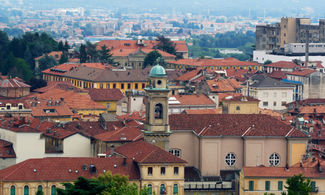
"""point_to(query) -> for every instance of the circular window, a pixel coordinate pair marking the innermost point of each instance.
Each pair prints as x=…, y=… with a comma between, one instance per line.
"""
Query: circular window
x=159, y=82
x=230, y=159
x=274, y=159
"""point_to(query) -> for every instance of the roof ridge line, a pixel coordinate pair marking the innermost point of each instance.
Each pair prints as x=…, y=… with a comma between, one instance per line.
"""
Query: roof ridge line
x=289, y=132
x=249, y=128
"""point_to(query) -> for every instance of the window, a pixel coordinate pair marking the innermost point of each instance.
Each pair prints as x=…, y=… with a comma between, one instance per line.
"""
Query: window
x=149, y=170
x=8, y=107
x=149, y=189
x=265, y=103
x=230, y=159
x=176, y=152
x=26, y=190
x=238, y=108
x=175, y=170
x=162, y=189
x=114, y=86
x=107, y=86
x=158, y=111
x=12, y=190
x=143, y=85
x=267, y=185
x=274, y=103
x=159, y=82
x=129, y=86
x=136, y=86
x=274, y=159
x=175, y=189
x=40, y=188
x=101, y=85
x=20, y=107
x=108, y=105
x=251, y=185
x=162, y=170
x=53, y=190
x=283, y=103
x=122, y=86
x=313, y=186
x=280, y=185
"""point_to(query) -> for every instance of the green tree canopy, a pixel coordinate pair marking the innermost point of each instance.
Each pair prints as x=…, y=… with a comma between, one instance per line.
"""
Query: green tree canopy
x=105, y=56
x=151, y=58
x=104, y=184
x=298, y=185
x=166, y=45
x=46, y=62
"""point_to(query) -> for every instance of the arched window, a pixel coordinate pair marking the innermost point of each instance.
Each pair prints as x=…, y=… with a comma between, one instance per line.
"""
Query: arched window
x=12, y=190
x=162, y=189
x=53, y=190
x=158, y=111
x=230, y=159
x=40, y=188
x=26, y=190
x=149, y=189
x=175, y=189
x=274, y=159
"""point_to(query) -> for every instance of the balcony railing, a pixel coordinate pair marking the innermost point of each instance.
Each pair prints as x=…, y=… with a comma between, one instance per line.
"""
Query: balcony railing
x=209, y=186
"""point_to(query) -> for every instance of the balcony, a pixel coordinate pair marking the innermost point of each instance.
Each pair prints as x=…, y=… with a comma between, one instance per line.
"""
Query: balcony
x=209, y=186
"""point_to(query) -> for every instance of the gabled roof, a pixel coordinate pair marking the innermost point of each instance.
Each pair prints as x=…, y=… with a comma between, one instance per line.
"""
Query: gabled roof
x=262, y=81
x=63, y=69
x=196, y=99
x=190, y=75
x=212, y=62
x=143, y=152
x=13, y=83
x=233, y=125
x=302, y=72
x=223, y=85
x=204, y=111
x=6, y=149
x=68, y=169
x=105, y=94
x=124, y=134
x=283, y=64
x=67, y=86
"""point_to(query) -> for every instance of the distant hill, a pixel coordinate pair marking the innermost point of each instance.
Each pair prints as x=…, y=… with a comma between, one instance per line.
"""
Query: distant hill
x=219, y=7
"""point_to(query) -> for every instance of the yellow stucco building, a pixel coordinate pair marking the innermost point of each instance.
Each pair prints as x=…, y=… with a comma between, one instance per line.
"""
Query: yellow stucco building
x=240, y=105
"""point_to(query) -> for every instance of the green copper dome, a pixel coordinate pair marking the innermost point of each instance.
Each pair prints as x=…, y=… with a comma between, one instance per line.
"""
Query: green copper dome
x=157, y=71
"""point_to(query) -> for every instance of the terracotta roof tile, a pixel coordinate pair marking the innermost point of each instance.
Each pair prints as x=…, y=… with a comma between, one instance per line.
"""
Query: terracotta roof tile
x=302, y=72
x=6, y=149
x=192, y=100
x=143, y=152
x=105, y=94
x=213, y=62
x=283, y=64
x=221, y=86
x=232, y=125
x=124, y=134
x=68, y=169
x=204, y=111
x=13, y=83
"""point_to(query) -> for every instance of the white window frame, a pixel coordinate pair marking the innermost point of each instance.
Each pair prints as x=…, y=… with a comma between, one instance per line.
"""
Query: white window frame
x=274, y=160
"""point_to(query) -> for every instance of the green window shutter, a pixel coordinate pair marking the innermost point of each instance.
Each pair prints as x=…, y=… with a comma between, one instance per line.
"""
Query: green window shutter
x=175, y=189
x=267, y=185
x=251, y=185
x=149, y=189
x=280, y=185
x=313, y=186
x=26, y=190
x=13, y=190
x=53, y=190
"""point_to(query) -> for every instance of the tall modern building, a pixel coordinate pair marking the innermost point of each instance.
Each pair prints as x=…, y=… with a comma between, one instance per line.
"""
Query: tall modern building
x=289, y=30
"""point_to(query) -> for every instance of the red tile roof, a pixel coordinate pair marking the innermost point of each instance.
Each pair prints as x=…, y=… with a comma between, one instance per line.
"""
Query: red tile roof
x=67, y=86
x=309, y=170
x=143, y=152
x=55, y=54
x=239, y=74
x=13, y=83
x=283, y=64
x=190, y=75
x=278, y=74
x=233, y=125
x=49, y=108
x=65, y=68
x=212, y=62
x=224, y=95
x=6, y=149
x=302, y=72
x=124, y=134
x=68, y=169
x=320, y=109
x=195, y=99
x=204, y=111
x=105, y=94
x=226, y=85
x=240, y=98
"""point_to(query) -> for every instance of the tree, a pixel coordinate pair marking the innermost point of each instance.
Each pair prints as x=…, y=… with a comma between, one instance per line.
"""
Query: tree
x=298, y=185
x=82, y=53
x=105, y=184
x=92, y=52
x=39, y=192
x=36, y=83
x=166, y=45
x=64, y=58
x=151, y=58
x=267, y=62
x=105, y=56
x=46, y=62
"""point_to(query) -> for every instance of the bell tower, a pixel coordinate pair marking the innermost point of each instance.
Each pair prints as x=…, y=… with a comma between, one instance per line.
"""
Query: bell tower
x=156, y=128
